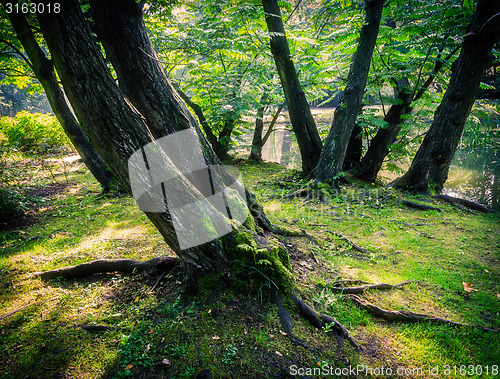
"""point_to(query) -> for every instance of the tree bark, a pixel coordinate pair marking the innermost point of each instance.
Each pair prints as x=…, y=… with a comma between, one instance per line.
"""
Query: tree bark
x=301, y=118
x=333, y=154
x=432, y=161
x=354, y=150
x=44, y=72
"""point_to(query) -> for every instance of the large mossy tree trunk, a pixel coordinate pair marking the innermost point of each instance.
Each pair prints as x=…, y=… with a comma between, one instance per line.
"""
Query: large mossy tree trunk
x=44, y=72
x=432, y=161
x=118, y=129
x=334, y=151
x=303, y=123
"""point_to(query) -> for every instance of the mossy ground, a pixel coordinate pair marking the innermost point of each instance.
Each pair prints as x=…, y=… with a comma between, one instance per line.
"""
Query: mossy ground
x=156, y=332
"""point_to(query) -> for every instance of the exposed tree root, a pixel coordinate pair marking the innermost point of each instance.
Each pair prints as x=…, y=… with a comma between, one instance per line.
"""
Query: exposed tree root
x=408, y=316
x=422, y=207
x=26, y=306
x=127, y=266
x=309, y=314
x=361, y=289
x=354, y=246
x=286, y=322
x=340, y=330
x=463, y=202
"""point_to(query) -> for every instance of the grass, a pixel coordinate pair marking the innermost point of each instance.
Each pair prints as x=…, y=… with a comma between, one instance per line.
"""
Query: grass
x=158, y=332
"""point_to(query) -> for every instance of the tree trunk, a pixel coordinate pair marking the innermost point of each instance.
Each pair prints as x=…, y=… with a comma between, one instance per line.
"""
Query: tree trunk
x=301, y=118
x=44, y=72
x=432, y=161
x=372, y=161
x=212, y=138
x=256, y=148
x=334, y=151
x=118, y=130
x=354, y=150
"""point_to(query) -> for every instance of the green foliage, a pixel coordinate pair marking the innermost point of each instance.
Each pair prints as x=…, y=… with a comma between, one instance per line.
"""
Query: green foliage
x=34, y=133
x=11, y=203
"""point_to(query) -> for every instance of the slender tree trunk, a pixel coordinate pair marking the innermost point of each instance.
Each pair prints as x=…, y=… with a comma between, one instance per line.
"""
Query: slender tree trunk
x=372, y=161
x=211, y=137
x=432, y=161
x=259, y=140
x=256, y=148
x=44, y=72
x=334, y=151
x=301, y=118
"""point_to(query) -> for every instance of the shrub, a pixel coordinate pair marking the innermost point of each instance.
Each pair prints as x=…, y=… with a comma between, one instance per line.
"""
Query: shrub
x=11, y=204
x=34, y=133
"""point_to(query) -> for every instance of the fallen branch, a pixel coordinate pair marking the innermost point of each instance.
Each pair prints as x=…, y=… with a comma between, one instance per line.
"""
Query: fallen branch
x=422, y=207
x=127, y=266
x=408, y=316
x=26, y=306
x=361, y=289
x=463, y=202
x=354, y=246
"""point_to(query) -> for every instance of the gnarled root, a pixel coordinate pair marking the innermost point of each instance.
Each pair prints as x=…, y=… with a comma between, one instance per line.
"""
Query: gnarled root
x=127, y=266
x=354, y=246
x=309, y=314
x=408, y=316
x=286, y=321
x=462, y=202
x=361, y=289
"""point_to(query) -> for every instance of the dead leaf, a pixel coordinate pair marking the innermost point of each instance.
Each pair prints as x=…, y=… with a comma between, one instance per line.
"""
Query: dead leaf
x=468, y=287
x=165, y=362
x=148, y=346
x=282, y=332
x=216, y=337
x=278, y=353
x=129, y=367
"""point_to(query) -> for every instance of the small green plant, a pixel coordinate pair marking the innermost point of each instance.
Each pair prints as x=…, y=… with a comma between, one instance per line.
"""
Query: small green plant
x=178, y=351
x=230, y=353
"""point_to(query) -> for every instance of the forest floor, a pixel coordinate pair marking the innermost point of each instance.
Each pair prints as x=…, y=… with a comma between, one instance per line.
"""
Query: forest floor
x=150, y=330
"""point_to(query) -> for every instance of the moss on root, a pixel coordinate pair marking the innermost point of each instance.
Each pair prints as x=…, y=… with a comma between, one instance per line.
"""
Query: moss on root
x=257, y=266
